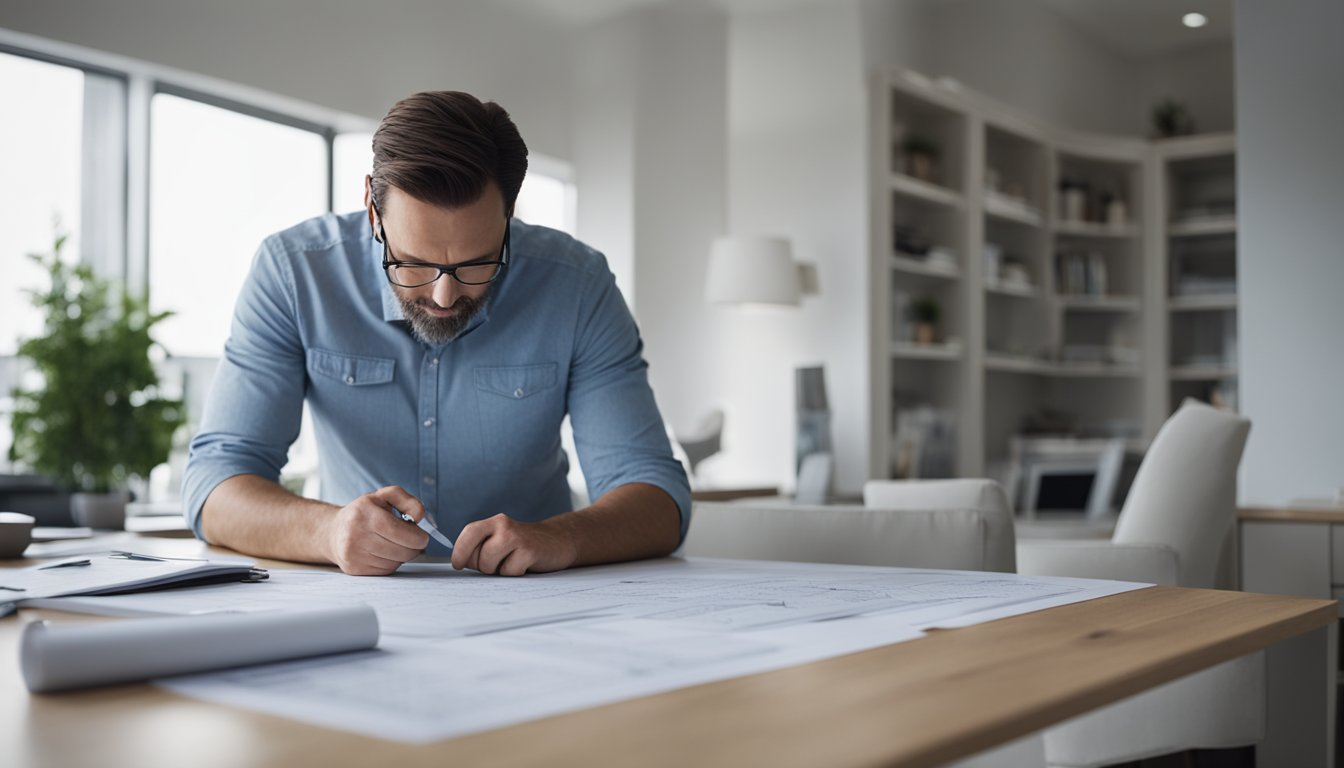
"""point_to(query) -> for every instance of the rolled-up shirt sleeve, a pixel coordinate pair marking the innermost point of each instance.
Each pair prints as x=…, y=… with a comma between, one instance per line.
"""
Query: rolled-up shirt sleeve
x=618, y=432
x=255, y=406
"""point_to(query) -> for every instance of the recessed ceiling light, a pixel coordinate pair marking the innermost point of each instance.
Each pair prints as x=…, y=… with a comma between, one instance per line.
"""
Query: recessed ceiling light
x=1194, y=20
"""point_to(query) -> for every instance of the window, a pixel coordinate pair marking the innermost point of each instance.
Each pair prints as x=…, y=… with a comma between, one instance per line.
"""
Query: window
x=352, y=159
x=547, y=199
x=40, y=156
x=220, y=182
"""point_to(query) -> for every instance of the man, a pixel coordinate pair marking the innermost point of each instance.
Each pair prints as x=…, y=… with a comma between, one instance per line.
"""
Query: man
x=438, y=343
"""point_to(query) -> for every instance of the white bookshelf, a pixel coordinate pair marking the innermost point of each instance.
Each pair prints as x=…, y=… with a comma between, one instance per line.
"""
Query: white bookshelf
x=1194, y=183
x=1021, y=331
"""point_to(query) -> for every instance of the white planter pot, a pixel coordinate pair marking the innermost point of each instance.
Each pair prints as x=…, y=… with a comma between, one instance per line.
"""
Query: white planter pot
x=100, y=510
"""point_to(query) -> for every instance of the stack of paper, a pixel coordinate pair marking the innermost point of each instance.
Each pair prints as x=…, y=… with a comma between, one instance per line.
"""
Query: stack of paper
x=119, y=572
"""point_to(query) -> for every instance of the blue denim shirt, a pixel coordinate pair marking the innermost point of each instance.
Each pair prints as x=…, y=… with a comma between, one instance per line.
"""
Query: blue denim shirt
x=471, y=427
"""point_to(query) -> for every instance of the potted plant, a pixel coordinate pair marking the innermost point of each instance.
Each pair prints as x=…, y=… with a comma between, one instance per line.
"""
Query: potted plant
x=97, y=419
x=921, y=154
x=1171, y=118
x=925, y=312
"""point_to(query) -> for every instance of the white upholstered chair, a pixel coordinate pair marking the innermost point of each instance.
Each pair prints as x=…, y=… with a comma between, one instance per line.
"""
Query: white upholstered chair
x=1173, y=530
x=955, y=524
x=952, y=524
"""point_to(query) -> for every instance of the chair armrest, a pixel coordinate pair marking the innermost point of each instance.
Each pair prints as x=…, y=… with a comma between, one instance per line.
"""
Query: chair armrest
x=1149, y=563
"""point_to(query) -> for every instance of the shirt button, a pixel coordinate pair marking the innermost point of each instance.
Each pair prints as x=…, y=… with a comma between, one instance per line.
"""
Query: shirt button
x=349, y=379
x=433, y=361
x=428, y=480
x=518, y=392
x=429, y=422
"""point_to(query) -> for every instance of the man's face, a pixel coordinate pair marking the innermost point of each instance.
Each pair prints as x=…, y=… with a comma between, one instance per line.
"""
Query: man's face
x=421, y=232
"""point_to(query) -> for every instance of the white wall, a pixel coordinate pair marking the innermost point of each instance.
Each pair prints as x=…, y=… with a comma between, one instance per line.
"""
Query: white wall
x=606, y=93
x=1290, y=251
x=1026, y=56
x=680, y=195
x=650, y=155
x=797, y=142
x=349, y=55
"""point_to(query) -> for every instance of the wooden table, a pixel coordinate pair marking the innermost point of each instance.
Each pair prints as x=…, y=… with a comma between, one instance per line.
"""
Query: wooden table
x=949, y=695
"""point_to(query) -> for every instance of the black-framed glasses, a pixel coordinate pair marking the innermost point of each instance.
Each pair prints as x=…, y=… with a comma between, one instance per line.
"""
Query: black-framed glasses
x=414, y=274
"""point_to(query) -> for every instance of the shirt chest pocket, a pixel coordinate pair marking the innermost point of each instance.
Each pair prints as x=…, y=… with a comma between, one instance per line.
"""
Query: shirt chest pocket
x=349, y=370
x=520, y=409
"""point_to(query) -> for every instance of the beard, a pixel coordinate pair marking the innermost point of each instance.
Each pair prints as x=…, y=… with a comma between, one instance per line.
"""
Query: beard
x=433, y=330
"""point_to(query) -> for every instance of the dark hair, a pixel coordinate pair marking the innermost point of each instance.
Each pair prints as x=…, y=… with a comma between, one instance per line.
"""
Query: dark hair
x=444, y=147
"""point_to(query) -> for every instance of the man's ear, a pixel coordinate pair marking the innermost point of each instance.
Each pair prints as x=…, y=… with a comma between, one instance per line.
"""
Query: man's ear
x=368, y=205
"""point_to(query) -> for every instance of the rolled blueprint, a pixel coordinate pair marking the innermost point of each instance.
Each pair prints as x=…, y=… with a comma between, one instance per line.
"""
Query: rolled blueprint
x=60, y=657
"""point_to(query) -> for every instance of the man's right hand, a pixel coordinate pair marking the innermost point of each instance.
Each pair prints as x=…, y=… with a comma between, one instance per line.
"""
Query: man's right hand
x=367, y=538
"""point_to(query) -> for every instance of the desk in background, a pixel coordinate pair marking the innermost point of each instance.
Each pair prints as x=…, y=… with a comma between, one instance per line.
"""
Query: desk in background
x=920, y=703
x=730, y=494
x=1297, y=549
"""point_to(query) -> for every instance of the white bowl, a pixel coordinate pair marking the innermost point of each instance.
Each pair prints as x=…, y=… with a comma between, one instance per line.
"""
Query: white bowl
x=16, y=533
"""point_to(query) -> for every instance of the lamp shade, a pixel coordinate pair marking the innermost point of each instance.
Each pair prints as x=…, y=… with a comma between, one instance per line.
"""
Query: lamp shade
x=752, y=270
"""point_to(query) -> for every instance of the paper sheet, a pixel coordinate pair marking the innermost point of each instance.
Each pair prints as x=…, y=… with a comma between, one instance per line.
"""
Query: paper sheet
x=646, y=628
x=424, y=691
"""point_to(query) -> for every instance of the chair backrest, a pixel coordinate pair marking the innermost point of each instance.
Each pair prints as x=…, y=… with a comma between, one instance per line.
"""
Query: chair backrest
x=967, y=527
x=985, y=497
x=1184, y=494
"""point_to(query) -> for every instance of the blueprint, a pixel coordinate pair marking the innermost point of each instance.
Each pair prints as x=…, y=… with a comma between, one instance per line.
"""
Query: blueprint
x=547, y=644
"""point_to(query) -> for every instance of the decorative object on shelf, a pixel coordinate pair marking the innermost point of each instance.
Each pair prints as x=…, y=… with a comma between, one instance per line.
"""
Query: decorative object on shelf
x=813, y=451
x=993, y=255
x=1171, y=118
x=1114, y=209
x=921, y=157
x=926, y=312
x=941, y=258
x=1082, y=273
x=908, y=241
x=924, y=444
x=1223, y=395
x=98, y=419
x=1072, y=200
x=1015, y=274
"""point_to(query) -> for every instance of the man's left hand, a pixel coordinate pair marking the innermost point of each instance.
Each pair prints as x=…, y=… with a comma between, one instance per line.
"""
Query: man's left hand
x=511, y=547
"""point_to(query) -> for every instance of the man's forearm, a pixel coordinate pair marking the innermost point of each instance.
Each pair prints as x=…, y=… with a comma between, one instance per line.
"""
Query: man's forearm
x=255, y=516
x=632, y=522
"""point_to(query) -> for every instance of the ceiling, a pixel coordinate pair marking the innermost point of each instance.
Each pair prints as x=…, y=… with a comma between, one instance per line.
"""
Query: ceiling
x=1146, y=28
x=1134, y=28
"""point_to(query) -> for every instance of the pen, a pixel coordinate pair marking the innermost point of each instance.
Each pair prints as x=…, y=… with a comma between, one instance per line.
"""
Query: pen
x=425, y=526
x=66, y=564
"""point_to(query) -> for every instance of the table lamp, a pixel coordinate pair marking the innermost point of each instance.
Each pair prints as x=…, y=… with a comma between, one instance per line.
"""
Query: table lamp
x=756, y=271
x=752, y=271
